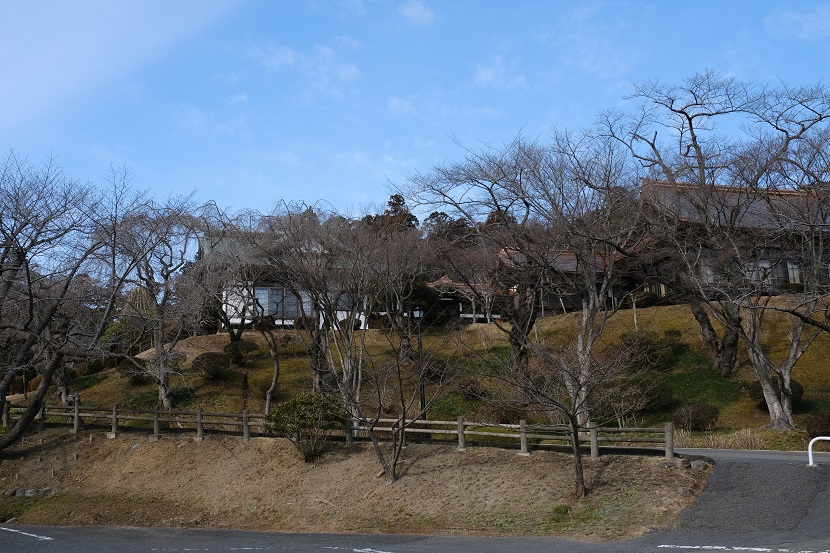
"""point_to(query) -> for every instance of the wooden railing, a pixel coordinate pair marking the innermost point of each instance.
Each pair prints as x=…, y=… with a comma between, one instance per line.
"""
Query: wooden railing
x=525, y=436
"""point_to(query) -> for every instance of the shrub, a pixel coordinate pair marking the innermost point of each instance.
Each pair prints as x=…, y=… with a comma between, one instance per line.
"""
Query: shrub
x=307, y=421
x=698, y=416
x=672, y=336
x=647, y=299
x=212, y=365
x=756, y=392
x=134, y=370
x=238, y=351
x=646, y=350
x=505, y=414
x=471, y=389
x=174, y=359
x=304, y=323
x=434, y=368
x=356, y=324
x=818, y=424
x=96, y=365
x=559, y=513
x=660, y=396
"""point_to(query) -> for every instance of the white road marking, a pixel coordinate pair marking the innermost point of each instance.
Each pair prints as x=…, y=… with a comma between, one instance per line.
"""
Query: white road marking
x=42, y=538
x=738, y=548
x=366, y=550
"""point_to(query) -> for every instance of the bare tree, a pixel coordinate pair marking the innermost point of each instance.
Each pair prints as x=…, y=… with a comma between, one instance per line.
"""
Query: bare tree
x=327, y=260
x=562, y=217
x=161, y=301
x=482, y=190
x=393, y=389
x=718, y=203
x=57, y=290
x=400, y=263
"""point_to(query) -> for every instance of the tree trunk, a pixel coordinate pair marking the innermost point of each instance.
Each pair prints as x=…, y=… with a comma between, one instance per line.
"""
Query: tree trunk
x=724, y=351
x=62, y=381
x=8, y=378
x=519, y=356
x=579, y=474
x=780, y=413
x=165, y=393
x=405, y=349
x=273, y=350
x=318, y=362
x=727, y=359
x=20, y=427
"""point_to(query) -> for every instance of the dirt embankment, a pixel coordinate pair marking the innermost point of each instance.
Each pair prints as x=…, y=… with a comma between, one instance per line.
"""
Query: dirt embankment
x=263, y=484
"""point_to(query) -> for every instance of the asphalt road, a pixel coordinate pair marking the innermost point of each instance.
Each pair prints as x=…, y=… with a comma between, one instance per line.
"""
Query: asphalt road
x=754, y=501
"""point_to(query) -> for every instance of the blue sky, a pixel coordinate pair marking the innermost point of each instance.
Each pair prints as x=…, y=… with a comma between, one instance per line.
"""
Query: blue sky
x=250, y=102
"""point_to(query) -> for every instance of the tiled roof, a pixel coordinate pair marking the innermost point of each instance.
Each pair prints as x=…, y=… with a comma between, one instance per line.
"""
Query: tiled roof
x=732, y=206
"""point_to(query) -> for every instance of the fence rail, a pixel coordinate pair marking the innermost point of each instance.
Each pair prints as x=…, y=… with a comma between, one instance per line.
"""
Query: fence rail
x=525, y=436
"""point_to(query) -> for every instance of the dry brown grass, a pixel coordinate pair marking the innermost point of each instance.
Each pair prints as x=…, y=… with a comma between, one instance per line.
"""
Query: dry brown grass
x=263, y=484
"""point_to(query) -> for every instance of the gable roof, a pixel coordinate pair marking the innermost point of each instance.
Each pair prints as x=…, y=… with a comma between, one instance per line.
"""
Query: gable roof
x=736, y=207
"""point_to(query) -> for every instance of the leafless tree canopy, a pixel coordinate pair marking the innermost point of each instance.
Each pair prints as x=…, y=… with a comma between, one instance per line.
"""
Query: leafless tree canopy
x=737, y=205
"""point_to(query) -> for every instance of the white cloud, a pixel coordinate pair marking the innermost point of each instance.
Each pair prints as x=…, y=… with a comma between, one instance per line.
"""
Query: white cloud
x=198, y=121
x=322, y=66
x=191, y=118
x=417, y=12
x=375, y=165
x=273, y=56
x=497, y=75
x=344, y=9
x=804, y=25
x=239, y=98
x=590, y=41
x=400, y=106
x=326, y=72
x=226, y=78
x=285, y=157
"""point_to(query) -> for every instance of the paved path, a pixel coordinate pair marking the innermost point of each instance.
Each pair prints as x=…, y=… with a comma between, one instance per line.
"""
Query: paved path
x=766, y=500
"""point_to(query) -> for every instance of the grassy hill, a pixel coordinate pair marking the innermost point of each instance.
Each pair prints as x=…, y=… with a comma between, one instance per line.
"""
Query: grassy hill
x=263, y=484
x=684, y=370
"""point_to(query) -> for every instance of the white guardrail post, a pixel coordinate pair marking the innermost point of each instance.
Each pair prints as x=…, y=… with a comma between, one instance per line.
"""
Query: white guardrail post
x=810, y=448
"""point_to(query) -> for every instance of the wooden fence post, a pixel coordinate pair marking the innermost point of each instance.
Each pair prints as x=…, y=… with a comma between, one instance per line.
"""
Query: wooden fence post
x=349, y=430
x=669, y=441
x=76, y=418
x=41, y=423
x=462, y=439
x=523, y=438
x=200, y=427
x=246, y=429
x=114, y=432
x=156, y=425
x=594, y=435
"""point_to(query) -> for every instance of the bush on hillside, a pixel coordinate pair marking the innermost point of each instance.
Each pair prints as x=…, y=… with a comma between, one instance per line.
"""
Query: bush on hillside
x=304, y=323
x=239, y=351
x=818, y=424
x=659, y=396
x=433, y=367
x=471, y=389
x=212, y=365
x=698, y=416
x=96, y=365
x=307, y=421
x=134, y=370
x=646, y=350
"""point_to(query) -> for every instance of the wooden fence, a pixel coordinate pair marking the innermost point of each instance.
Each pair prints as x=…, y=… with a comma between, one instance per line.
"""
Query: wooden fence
x=524, y=436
